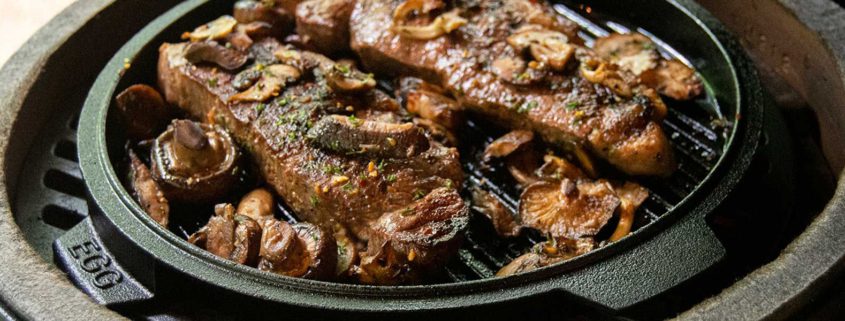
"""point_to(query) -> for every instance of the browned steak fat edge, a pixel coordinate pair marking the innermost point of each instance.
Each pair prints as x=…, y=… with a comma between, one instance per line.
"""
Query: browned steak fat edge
x=358, y=189
x=519, y=64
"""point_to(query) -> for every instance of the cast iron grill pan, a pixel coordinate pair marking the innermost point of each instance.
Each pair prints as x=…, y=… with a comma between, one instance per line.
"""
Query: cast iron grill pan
x=697, y=129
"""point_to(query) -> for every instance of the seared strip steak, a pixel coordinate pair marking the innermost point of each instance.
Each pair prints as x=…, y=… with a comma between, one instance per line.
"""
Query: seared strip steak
x=359, y=190
x=485, y=64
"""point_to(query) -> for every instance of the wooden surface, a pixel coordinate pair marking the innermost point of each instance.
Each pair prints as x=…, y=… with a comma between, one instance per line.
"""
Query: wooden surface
x=19, y=19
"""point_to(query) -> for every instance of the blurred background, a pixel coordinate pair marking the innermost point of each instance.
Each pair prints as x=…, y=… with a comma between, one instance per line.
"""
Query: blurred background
x=21, y=18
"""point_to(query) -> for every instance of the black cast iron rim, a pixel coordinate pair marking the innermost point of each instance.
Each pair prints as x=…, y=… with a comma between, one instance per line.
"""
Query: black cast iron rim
x=121, y=210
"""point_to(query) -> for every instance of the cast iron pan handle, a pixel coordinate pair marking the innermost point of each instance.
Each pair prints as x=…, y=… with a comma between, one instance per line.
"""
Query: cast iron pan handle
x=650, y=268
x=91, y=266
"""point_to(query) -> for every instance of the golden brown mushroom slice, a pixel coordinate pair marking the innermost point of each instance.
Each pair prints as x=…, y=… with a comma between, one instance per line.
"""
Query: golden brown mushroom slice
x=143, y=111
x=147, y=192
x=218, y=235
x=550, y=48
x=674, y=79
x=257, y=205
x=568, y=208
x=547, y=253
x=503, y=220
x=214, y=30
x=299, y=250
x=408, y=243
x=347, y=253
x=194, y=163
x=633, y=52
x=351, y=135
x=638, y=54
x=507, y=144
x=435, y=107
x=213, y=52
x=345, y=79
x=270, y=81
x=409, y=20
x=632, y=196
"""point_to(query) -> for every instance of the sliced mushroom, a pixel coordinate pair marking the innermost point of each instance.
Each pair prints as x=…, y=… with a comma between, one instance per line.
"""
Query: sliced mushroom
x=213, y=52
x=273, y=79
x=609, y=75
x=547, y=253
x=507, y=144
x=569, y=208
x=257, y=205
x=247, y=241
x=194, y=163
x=301, y=250
x=246, y=78
x=407, y=243
x=246, y=34
x=218, y=235
x=347, y=253
x=549, y=47
x=516, y=71
x=632, y=196
x=278, y=14
x=215, y=30
x=344, y=79
x=321, y=248
x=437, y=132
x=436, y=107
x=442, y=24
x=633, y=52
x=674, y=79
x=147, y=192
x=522, y=165
x=555, y=169
x=143, y=111
x=503, y=220
x=352, y=135
x=638, y=54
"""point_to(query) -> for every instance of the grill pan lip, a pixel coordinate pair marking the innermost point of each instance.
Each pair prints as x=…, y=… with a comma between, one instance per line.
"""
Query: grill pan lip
x=121, y=210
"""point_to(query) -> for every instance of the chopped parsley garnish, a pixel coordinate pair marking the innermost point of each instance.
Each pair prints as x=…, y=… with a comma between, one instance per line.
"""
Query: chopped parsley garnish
x=260, y=107
x=526, y=107
x=315, y=200
x=212, y=82
x=391, y=178
x=418, y=194
x=344, y=69
x=282, y=101
x=572, y=105
x=332, y=169
x=354, y=120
